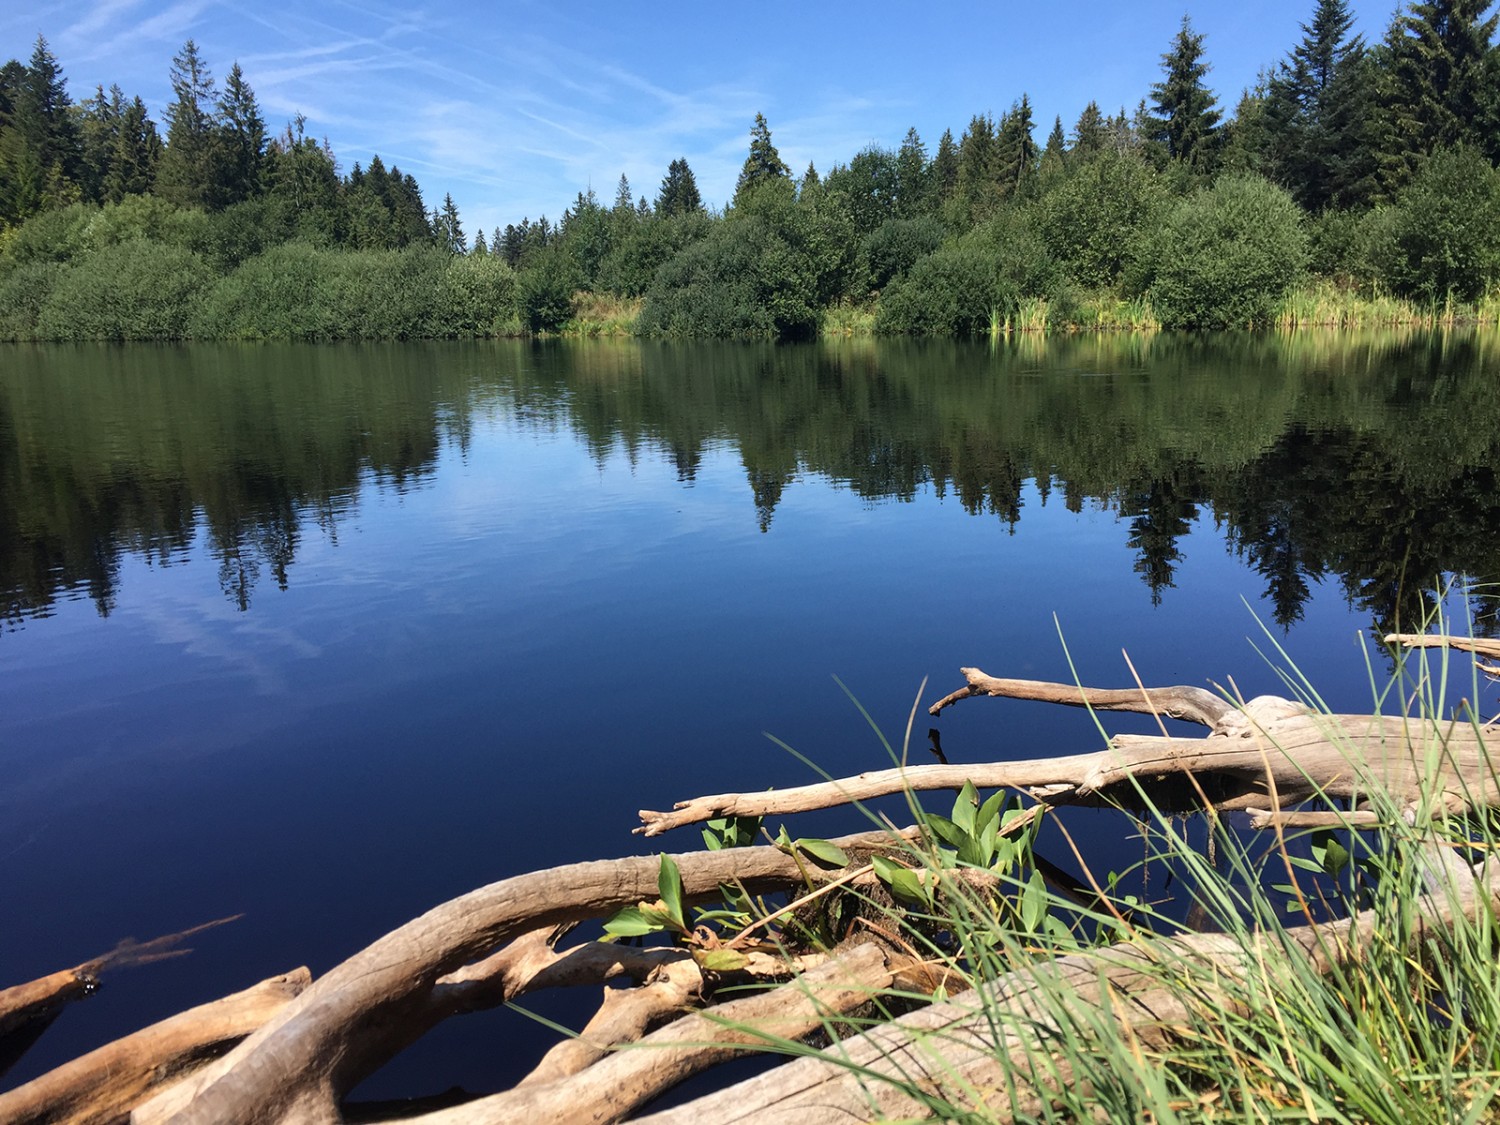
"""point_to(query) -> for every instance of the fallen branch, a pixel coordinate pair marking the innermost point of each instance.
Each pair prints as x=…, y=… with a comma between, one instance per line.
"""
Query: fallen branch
x=104, y=1085
x=1191, y=704
x=1483, y=646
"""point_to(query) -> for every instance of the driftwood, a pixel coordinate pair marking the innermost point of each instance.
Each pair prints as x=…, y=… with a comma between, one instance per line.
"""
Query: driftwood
x=301, y=1054
x=1265, y=757
x=104, y=1085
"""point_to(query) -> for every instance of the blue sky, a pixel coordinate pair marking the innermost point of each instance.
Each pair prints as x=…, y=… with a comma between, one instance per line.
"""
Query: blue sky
x=516, y=106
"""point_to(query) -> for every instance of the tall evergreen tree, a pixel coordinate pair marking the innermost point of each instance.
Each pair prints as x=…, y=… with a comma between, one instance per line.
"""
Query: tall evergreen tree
x=624, y=199
x=913, y=177
x=1186, y=122
x=449, y=230
x=944, y=177
x=1440, y=84
x=99, y=120
x=1090, y=135
x=977, y=192
x=132, y=167
x=763, y=163
x=40, y=151
x=185, y=174
x=679, y=191
x=1015, y=149
x=239, y=143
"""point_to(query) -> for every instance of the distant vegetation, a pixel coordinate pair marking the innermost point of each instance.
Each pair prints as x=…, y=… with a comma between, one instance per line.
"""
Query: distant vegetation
x=1356, y=183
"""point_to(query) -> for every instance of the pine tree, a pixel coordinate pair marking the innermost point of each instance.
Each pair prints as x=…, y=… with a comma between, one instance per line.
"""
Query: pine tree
x=1055, y=154
x=1186, y=122
x=1015, y=150
x=99, y=121
x=40, y=150
x=913, y=177
x=1090, y=135
x=481, y=249
x=624, y=199
x=239, y=143
x=132, y=167
x=1440, y=85
x=977, y=192
x=449, y=230
x=679, y=191
x=944, y=181
x=185, y=174
x=762, y=165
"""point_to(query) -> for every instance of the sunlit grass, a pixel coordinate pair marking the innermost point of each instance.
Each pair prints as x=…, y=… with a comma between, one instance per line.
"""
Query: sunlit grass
x=603, y=314
x=1327, y=305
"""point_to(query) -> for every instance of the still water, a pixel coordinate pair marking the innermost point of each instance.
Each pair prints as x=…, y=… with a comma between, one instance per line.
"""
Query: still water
x=325, y=635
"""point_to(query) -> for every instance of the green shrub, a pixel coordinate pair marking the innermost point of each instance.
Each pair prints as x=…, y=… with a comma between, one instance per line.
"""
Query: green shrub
x=1025, y=266
x=955, y=292
x=145, y=216
x=1226, y=255
x=389, y=294
x=1442, y=238
x=24, y=289
x=284, y=294
x=53, y=236
x=544, y=291
x=479, y=294
x=134, y=291
x=1096, y=221
x=744, y=281
x=895, y=246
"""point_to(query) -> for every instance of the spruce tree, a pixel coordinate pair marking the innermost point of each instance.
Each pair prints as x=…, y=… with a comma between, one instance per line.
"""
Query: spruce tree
x=679, y=191
x=913, y=176
x=239, y=143
x=450, y=231
x=185, y=174
x=1186, y=122
x=1015, y=150
x=1091, y=134
x=944, y=177
x=977, y=192
x=132, y=167
x=762, y=165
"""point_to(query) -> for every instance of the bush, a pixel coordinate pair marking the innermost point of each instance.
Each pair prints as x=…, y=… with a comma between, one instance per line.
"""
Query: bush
x=24, y=289
x=1024, y=264
x=53, y=236
x=1096, y=222
x=1442, y=238
x=744, y=281
x=390, y=294
x=1227, y=255
x=284, y=294
x=954, y=292
x=544, y=291
x=134, y=291
x=479, y=295
x=895, y=246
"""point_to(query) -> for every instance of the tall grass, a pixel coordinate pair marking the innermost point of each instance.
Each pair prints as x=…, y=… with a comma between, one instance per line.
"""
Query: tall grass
x=1345, y=974
x=603, y=314
x=1327, y=305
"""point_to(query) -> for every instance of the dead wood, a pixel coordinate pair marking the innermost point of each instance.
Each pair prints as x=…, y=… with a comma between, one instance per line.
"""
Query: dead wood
x=27, y=1010
x=105, y=1084
x=359, y=1014
x=1191, y=704
x=1267, y=756
x=628, y=1078
x=1482, y=646
x=981, y=1051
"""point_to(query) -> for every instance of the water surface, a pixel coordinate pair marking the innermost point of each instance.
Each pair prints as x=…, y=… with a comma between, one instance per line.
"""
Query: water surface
x=326, y=635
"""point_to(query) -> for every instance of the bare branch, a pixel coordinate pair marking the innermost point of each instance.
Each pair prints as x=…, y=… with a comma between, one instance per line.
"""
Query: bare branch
x=1192, y=704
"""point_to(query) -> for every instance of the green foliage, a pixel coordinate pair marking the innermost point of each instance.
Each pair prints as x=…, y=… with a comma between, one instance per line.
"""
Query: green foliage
x=1225, y=255
x=953, y=292
x=730, y=832
x=1098, y=220
x=1187, y=122
x=1442, y=239
x=24, y=291
x=130, y=291
x=895, y=246
x=480, y=295
x=53, y=236
x=287, y=293
x=544, y=291
x=762, y=165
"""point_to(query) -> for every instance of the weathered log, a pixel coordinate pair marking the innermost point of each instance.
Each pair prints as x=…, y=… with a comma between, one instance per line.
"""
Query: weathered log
x=625, y=1080
x=1267, y=756
x=1191, y=704
x=359, y=1014
x=106, y=1084
x=979, y=1051
x=27, y=1010
x=1482, y=646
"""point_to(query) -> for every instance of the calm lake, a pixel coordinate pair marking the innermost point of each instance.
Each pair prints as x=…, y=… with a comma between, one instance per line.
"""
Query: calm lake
x=326, y=635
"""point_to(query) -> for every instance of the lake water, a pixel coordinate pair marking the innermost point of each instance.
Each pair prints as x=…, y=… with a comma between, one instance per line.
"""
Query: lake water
x=327, y=635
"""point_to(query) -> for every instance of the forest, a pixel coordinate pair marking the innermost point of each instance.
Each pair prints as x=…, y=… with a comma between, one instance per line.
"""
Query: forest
x=1356, y=183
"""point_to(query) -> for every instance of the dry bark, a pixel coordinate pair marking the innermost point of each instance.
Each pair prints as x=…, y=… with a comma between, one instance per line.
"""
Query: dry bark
x=350, y=1021
x=1267, y=756
x=106, y=1084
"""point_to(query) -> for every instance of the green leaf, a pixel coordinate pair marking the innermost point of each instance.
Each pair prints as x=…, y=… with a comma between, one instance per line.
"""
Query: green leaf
x=631, y=922
x=966, y=807
x=720, y=960
x=669, y=884
x=902, y=881
x=1034, y=902
x=989, y=812
x=950, y=833
x=830, y=855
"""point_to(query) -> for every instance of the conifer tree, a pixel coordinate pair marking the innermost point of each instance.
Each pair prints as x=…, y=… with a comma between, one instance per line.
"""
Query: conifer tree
x=1186, y=122
x=449, y=230
x=976, y=193
x=679, y=191
x=1015, y=149
x=944, y=179
x=913, y=176
x=1090, y=135
x=132, y=166
x=762, y=165
x=239, y=143
x=185, y=173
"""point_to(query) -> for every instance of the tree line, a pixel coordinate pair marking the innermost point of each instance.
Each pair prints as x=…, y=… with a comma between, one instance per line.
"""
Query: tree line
x=1351, y=170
